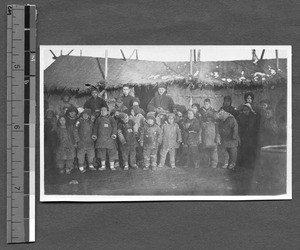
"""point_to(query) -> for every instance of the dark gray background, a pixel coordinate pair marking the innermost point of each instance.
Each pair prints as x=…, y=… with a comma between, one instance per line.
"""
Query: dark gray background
x=163, y=225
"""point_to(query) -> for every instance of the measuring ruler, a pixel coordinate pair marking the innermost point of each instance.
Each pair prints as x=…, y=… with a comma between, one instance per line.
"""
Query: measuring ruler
x=21, y=86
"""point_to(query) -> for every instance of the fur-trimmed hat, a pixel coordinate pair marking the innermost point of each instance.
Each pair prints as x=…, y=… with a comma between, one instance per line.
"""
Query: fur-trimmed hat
x=136, y=99
x=181, y=108
x=161, y=85
x=72, y=109
x=87, y=111
x=151, y=115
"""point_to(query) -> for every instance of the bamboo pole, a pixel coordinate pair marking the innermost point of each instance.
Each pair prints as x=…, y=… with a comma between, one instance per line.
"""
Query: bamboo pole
x=106, y=66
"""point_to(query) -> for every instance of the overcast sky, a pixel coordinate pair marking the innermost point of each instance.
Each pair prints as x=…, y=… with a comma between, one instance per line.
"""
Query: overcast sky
x=164, y=53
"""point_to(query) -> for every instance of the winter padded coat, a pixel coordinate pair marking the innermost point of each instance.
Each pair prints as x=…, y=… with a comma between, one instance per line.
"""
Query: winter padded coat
x=127, y=133
x=163, y=101
x=228, y=130
x=190, y=131
x=210, y=134
x=151, y=136
x=65, y=143
x=104, y=128
x=171, y=136
x=84, y=132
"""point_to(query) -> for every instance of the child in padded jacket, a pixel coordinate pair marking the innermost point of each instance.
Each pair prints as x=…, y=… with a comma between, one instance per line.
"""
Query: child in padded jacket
x=127, y=134
x=171, y=139
x=210, y=139
x=150, y=139
x=84, y=130
x=66, y=143
x=190, y=138
x=105, y=133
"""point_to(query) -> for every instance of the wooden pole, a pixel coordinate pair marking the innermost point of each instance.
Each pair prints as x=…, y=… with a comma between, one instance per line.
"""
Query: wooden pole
x=191, y=62
x=123, y=55
x=81, y=52
x=199, y=64
x=70, y=52
x=106, y=66
x=195, y=59
x=262, y=54
x=137, y=57
x=54, y=56
x=277, y=60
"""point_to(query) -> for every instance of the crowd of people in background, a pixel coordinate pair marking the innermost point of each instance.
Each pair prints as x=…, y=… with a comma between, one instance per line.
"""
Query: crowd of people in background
x=94, y=137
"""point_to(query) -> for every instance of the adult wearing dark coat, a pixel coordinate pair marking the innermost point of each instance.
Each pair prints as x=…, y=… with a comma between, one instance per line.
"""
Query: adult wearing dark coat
x=227, y=106
x=126, y=97
x=161, y=101
x=95, y=102
x=247, y=133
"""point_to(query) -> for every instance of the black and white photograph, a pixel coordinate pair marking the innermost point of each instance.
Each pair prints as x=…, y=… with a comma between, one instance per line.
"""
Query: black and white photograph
x=147, y=123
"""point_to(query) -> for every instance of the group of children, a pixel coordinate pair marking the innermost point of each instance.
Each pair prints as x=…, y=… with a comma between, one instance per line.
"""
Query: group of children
x=104, y=138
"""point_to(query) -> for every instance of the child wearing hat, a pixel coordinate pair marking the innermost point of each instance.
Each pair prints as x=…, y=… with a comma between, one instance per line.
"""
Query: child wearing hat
x=150, y=139
x=119, y=107
x=207, y=108
x=127, y=134
x=66, y=143
x=190, y=127
x=210, y=139
x=171, y=139
x=49, y=126
x=105, y=133
x=84, y=130
x=137, y=116
x=64, y=103
x=72, y=116
x=228, y=129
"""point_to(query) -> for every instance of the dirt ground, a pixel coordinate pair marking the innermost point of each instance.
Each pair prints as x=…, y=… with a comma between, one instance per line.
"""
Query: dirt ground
x=165, y=181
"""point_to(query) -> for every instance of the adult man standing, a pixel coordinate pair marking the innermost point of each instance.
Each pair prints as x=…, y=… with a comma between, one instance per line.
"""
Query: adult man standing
x=95, y=102
x=126, y=97
x=161, y=101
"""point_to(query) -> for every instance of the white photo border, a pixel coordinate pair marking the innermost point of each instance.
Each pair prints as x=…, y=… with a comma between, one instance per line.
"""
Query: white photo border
x=135, y=198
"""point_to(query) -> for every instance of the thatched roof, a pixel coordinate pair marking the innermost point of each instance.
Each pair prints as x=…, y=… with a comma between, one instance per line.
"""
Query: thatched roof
x=73, y=72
